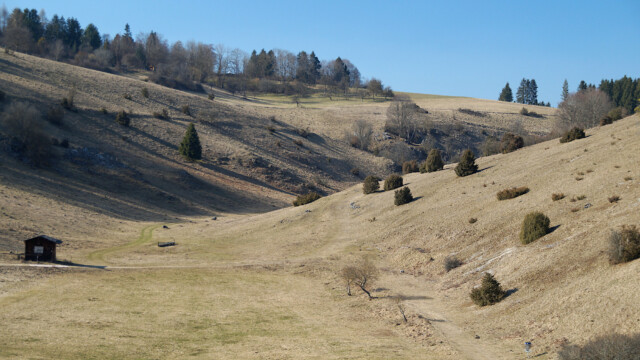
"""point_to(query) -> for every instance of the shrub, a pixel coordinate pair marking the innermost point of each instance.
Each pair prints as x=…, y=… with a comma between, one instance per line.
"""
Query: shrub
x=511, y=142
x=392, y=181
x=371, y=184
x=467, y=164
x=307, y=198
x=403, y=196
x=433, y=163
x=534, y=226
x=451, y=262
x=473, y=220
x=618, y=113
x=624, y=245
x=104, y=111
x=524, y=111
x=186, y=110
x=606, y=120
x=145, y=92
x=298, y=142
x=64, y=143
x=55, y=115
x=611, y=346
x=355, y=172
x=573, y=134
x=212, y=96
x=68, y=102
x=512, y=193
x=126, y=96
x=489, y=293
x=190, y=147
x=302, y=132
x=409, y=167
x=163, y=115
x=614, y=199
x=122, y=118
x=556, y=197
x=270, y=128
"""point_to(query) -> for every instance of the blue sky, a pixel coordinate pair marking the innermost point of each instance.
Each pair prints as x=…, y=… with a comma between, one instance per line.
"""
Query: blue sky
x=465, y=48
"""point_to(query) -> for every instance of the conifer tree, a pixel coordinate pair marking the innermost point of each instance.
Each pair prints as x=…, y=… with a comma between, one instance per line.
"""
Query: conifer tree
x=506, y=94
x=190, y=146
x=532, y=92
x=433, y=163
x=582, y=86
x=467, y=164
x=565, y=90
x=522, y=90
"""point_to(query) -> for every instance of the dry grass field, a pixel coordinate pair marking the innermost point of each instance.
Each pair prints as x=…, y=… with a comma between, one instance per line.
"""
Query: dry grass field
x=258, y=284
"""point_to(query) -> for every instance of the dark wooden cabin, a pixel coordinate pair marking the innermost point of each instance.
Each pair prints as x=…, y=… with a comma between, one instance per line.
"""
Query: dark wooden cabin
x=41, y=248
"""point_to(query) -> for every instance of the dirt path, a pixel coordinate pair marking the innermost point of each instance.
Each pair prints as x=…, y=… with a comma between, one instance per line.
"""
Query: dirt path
x=469, y=347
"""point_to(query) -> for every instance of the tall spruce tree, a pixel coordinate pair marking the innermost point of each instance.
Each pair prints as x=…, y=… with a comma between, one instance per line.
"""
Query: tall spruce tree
x=565, y=90
x=506, y=94
x=190, y=146
x=582, y=86
x=522, y=92
x=532, y=92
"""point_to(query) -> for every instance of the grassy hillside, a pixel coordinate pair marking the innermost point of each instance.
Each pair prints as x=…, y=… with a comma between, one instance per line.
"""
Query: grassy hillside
x=268, y=285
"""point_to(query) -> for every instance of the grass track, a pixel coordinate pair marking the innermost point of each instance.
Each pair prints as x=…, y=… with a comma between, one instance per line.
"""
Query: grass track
x=145, y=236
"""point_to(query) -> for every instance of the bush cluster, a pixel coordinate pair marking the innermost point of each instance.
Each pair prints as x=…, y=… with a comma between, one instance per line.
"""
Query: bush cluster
x=307, y=198
x=624, y=245
x=433, y=163
x=122, y=118
x=573, y=134
x=467, y=164
x=145, y=92
x=489, y=293
x=371, y=184
x=512, y=193
x=163, y=115
x=403, y=196
x=392, y=181
x=511, y=142
x=534, y=226
x=410, y=167
x=186, y=110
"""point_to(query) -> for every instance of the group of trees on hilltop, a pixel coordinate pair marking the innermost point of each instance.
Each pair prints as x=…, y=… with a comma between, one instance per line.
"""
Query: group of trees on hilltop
x=527, y=93
x=623, y=93
x=180, y=65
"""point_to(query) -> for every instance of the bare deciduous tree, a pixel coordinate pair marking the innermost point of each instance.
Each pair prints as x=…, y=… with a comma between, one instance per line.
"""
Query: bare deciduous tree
x=362, y=132
x=584, y=109
x=23, y=123
x=360, y=275
x=402, y=120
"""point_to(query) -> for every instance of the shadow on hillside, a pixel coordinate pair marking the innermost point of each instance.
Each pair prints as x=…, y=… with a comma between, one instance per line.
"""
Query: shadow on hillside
x=553, y=228
x=73, y=264
x=510, y=292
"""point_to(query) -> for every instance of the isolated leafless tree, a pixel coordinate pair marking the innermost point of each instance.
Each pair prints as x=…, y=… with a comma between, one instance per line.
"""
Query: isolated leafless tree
x=24, y=125
x=360, y=275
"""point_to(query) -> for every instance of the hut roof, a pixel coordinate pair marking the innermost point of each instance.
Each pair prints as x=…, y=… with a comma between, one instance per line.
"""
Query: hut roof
x=48, y=238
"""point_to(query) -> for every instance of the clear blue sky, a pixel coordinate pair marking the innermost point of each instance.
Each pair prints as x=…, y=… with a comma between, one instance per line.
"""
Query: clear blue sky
x=465, y=48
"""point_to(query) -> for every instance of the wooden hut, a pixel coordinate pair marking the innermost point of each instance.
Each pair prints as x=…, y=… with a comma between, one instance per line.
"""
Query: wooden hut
x=41, y=248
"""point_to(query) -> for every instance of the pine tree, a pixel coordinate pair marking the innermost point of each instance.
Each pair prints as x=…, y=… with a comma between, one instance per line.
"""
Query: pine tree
x=190, y=146
x=533, y=92
x=582, y=86
x=433, y=163
x=506, y=94
x=520, y=95
x=565, y=90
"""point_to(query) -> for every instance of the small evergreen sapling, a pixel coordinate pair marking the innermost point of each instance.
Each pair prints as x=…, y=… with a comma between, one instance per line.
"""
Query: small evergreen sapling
x=190, y=147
